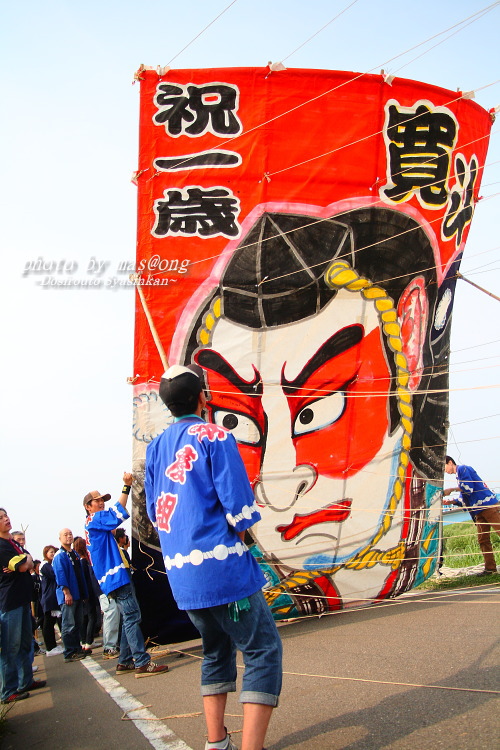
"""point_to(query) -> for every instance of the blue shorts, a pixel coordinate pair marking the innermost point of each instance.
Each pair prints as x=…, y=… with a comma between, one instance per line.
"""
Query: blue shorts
x=256, y=636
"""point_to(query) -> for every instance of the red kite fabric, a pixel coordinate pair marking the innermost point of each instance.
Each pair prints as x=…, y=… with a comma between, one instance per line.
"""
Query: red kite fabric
x=299, y=236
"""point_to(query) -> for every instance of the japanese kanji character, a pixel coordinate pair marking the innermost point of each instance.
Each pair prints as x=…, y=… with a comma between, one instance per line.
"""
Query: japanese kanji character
x=183, y=463
x=420, y=141
x=210, y=431
x=166, y=503
x=197, y=211
x=461, y=202
x=194, y=110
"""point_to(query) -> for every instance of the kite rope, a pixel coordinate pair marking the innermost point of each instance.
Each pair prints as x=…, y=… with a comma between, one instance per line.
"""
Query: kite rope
x=372, y=135
x=355, y=78
x=350, y=679
x=201, y=32
x=364, y=394
x=371, y=602
x=320, y=30
x=443, y=369
x=407, y=600
x=211, y=321
x=453, y=33
x=374, y=204
x=389, y=682
x=428, y=558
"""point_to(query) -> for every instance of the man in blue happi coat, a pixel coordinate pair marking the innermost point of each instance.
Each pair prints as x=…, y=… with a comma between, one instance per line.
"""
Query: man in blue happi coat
x=201, y=502
x=482, y=505
x=71, y=593
x=114, y=578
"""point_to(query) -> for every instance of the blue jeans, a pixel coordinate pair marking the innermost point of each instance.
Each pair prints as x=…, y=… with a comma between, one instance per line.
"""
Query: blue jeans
x=16, y=658
x=72, y=618
x=132, y=641
x=256, y=636
x=110, y=622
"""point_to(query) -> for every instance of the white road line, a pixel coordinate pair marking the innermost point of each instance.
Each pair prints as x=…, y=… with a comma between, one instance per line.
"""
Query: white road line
x=157, y=733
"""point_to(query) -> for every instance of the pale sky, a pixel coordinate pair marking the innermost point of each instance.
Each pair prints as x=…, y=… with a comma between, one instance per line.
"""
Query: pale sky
x=69, y=133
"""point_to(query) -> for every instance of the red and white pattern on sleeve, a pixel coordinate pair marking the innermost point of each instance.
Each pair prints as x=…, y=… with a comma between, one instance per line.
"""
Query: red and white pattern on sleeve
x=185, y=458
x=211, y=431
x=165, y=507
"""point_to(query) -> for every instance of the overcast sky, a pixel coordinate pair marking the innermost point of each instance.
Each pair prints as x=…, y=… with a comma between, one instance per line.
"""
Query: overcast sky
x=69, y=133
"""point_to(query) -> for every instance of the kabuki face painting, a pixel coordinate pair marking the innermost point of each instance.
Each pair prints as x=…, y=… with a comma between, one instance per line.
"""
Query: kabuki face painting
x=299, y=238
x=312, y=366
x=320, y=385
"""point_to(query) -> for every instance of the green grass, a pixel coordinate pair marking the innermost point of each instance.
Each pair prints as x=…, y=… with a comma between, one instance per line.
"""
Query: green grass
x=461, y=550
x=459, y=582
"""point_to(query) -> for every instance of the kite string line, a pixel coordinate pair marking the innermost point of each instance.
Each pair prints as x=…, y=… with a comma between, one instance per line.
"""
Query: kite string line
x=477, y=419
x=372, y=135
x=439, y=372
x=453, y=33
x=356, y=250
x=372, y=602
x=388, y=682
x=364, y=394
x=356, y=598
x=362, y=679
x=351, y=80
x=319, y=30
x=378, y=203
x=201, y=32
x=158, y=341
x=374, y=394
x=136, y=277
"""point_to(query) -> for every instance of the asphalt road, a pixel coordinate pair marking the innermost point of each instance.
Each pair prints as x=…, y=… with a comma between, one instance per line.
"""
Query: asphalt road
x=357, y=680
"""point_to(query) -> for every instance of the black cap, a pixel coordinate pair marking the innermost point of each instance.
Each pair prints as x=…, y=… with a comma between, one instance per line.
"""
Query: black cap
x=180, y=387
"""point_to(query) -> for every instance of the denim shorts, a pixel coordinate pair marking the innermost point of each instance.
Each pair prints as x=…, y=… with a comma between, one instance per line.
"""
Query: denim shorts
x=256, y=636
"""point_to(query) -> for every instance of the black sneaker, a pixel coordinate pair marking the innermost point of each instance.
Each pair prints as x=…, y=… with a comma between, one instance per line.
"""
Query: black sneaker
x=485, y=573
x=16, y=697
x=35, y=685
x=75, y=657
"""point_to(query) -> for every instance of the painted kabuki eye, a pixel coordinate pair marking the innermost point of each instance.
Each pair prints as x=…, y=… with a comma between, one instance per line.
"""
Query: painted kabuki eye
x=320, y=413
x=243, y=427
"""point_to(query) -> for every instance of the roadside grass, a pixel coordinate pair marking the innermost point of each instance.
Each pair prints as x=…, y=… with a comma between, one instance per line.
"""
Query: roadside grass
x=461, y=550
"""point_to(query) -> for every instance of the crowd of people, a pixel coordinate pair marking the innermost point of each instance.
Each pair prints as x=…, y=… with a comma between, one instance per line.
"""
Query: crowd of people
x=61, y=598
x=88, y=582
x=200, y=501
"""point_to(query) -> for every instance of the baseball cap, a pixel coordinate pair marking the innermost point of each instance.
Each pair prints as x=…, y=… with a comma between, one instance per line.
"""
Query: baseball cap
x=94, y=495
x=180, y=386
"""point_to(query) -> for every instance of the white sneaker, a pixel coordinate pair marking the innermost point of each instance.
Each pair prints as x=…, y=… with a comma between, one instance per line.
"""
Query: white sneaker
x=55, y=651
x=225, y=744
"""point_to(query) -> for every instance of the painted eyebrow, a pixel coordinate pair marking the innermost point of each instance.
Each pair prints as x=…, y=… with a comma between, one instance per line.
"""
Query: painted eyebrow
x=211, y=360
x=337, y=344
